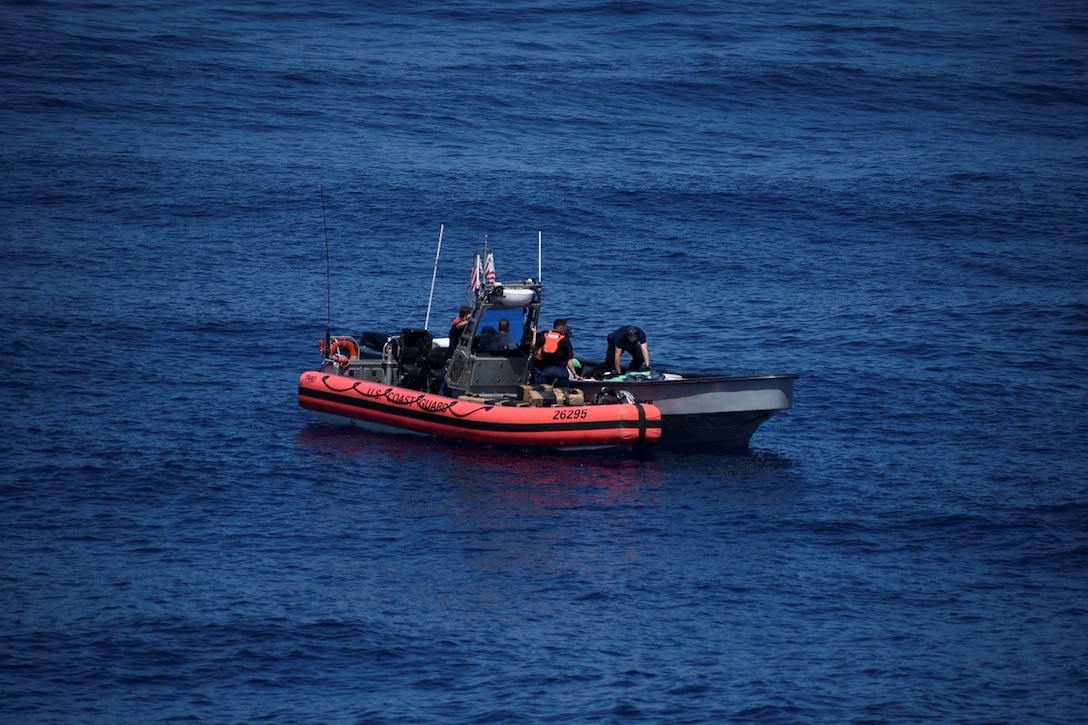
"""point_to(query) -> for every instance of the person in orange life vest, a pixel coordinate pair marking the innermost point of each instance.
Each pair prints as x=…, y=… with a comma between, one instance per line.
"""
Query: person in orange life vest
x=631, y=340
x=554, y=356
x=464, y=315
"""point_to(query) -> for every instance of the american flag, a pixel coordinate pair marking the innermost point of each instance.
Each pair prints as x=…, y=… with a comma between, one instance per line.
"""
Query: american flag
x=489, y=267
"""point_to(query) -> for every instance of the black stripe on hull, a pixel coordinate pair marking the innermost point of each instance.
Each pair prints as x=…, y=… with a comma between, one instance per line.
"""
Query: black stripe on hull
x=642, y=425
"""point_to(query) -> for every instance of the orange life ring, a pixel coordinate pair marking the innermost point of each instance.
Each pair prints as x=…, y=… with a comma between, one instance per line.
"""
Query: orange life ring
x=345, y=346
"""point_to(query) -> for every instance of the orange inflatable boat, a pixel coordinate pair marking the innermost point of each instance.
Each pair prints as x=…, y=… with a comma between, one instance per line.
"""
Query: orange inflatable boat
x=388, y=408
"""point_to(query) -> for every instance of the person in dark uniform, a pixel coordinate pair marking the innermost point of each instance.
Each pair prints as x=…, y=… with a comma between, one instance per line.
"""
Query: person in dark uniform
x=554, y=356
x=631, y=340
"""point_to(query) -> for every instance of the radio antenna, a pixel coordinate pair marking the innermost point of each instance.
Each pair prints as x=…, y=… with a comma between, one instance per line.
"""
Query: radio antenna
x=328, y=274
x=438, y=252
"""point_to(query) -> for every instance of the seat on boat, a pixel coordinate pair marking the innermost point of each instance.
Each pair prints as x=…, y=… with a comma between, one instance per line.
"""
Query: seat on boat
x=375, y=340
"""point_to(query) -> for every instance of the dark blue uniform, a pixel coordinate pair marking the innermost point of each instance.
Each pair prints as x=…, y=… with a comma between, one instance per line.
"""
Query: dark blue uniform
x=628, y=339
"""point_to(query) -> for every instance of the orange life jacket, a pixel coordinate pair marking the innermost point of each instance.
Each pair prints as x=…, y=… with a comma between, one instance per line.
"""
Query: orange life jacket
x=550, y=347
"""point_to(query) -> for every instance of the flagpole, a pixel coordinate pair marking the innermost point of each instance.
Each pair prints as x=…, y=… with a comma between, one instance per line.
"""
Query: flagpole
x=434, y=274
x=475, y=282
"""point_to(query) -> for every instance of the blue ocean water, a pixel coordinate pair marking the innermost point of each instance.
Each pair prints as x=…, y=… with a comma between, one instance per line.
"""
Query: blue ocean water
x=889, y=198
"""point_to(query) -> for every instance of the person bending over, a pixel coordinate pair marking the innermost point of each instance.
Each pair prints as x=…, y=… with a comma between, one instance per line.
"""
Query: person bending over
x=631, y=340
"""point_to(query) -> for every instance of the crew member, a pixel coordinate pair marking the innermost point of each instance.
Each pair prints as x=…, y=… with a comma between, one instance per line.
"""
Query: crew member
x=555, y=356
x=458, y=326
x=502, y=341
x=631, y=340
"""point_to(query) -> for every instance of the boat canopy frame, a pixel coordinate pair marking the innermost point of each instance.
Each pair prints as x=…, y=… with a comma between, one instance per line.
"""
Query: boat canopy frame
x=473, y=370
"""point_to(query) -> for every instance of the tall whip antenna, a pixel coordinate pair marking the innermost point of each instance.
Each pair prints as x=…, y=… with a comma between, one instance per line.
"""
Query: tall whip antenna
x=539, y=243
x=427, y=323
x=328, y=274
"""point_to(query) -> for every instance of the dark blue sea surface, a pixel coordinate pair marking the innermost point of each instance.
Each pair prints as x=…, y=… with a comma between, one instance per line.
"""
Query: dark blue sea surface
x=888, y=198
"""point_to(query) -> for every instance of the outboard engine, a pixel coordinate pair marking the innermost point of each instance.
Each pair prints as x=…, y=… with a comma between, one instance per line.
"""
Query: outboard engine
x=414, y=353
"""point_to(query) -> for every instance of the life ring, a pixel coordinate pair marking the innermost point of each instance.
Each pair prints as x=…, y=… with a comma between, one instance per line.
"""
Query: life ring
x=346, y=346
x=340, y=346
